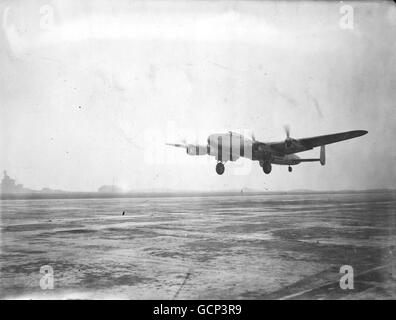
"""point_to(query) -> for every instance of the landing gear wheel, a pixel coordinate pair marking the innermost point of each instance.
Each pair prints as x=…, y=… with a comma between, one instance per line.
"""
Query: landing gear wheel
x=290, y=169
x=267, y=168
x=220, y=168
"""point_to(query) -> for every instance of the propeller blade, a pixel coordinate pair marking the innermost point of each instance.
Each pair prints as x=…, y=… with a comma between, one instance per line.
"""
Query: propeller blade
x=287, y=130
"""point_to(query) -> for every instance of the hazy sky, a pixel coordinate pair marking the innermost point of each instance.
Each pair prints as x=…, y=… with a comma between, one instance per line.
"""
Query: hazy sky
x=91, y=90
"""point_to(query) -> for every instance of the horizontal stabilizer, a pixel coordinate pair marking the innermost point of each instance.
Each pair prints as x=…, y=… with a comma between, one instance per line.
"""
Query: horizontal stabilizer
x=308, y=160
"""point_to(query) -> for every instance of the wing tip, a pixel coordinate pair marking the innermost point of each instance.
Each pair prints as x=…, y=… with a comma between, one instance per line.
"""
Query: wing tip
x=361, y=132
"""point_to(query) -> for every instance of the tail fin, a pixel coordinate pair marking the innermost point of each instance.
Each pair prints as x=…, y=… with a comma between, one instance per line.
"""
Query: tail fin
x=322, y=155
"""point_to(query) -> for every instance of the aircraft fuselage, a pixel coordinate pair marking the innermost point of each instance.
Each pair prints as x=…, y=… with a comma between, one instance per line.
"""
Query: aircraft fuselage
x=231, y=146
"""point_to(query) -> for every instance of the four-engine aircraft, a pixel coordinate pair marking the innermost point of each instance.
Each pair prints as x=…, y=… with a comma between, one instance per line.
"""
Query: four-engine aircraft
x=230, y=146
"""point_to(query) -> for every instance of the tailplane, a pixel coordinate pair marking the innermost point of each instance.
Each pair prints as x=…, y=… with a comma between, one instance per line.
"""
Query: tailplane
x=322, y=158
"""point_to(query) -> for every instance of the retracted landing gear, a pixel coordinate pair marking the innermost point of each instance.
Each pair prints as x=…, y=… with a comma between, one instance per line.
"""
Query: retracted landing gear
x=220, y=168
x=290, y=169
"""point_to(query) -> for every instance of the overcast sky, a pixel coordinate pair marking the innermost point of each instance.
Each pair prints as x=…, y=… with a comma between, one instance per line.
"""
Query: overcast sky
x=91, y=90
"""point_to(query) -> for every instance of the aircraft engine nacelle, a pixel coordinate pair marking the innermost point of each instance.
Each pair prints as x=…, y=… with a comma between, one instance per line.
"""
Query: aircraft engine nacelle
x=289, y=143
x=196, y=150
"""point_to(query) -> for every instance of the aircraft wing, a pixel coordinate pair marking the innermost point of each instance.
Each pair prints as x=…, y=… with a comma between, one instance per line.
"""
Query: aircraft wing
x=299, y=145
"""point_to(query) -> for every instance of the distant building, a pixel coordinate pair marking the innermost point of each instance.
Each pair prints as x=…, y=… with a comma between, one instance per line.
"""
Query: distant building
x=49, y=190
x=110, y=189
x=8, y=185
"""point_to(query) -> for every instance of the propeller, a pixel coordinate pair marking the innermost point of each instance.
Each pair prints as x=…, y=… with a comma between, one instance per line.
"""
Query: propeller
x=182, y=144
x=179, y=145
x=288, y=140
x=192, y=149
x=287, y=130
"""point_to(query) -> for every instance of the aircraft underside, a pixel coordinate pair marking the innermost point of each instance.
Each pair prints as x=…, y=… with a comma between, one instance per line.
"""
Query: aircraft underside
x=265, y=164
x=265, y=159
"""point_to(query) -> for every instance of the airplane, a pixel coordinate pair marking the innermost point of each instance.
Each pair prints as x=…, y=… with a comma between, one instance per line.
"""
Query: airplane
x=230, y=146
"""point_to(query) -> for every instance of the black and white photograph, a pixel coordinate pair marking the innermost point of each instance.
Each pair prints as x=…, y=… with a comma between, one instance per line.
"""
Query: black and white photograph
x=197, y=150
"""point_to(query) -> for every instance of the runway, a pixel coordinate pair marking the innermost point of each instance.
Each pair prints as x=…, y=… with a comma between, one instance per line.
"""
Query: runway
x=216, y=247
